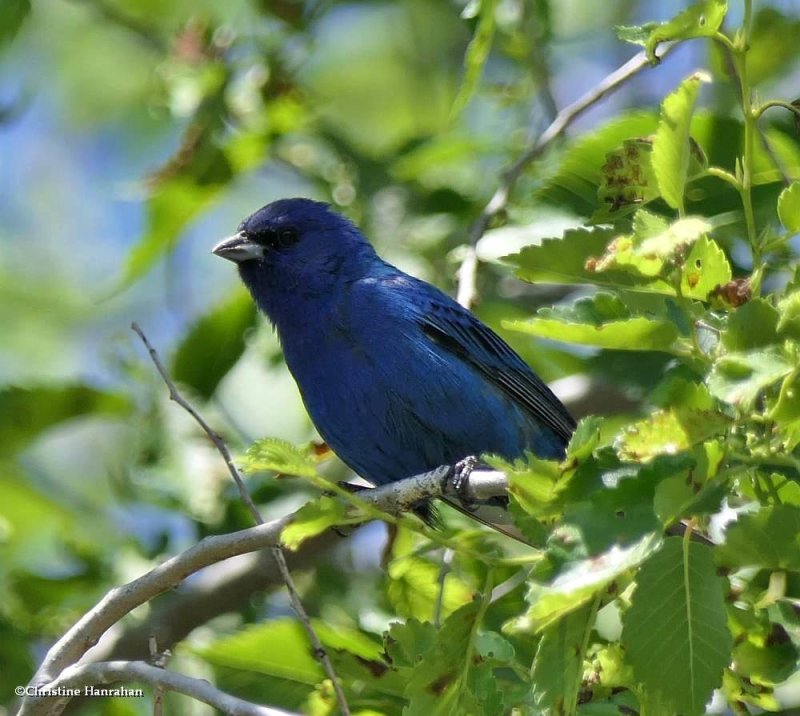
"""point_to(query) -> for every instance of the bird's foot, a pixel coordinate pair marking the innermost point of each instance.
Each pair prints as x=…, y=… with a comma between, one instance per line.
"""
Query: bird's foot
x=458, y=476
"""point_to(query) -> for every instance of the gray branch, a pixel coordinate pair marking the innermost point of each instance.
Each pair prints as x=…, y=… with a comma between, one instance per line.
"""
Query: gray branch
x=120, y=601
x=79, y=680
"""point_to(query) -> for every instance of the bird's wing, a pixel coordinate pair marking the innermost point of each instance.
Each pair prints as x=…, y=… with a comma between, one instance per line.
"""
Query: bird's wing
x=458, y=331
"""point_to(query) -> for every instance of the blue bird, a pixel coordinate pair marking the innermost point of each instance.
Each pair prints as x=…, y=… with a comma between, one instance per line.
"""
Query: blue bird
x=397, y=377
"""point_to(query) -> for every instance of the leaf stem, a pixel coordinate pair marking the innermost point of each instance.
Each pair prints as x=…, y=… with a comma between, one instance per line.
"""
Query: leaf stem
x=758, y=111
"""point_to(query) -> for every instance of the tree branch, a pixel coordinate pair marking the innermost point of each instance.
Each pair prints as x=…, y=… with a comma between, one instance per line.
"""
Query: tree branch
x=277, y=552
x=79, y=678
x=120, y=601
x=468, y=269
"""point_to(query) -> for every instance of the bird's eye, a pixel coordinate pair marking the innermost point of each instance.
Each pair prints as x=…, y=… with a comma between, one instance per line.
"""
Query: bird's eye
x=287, y=237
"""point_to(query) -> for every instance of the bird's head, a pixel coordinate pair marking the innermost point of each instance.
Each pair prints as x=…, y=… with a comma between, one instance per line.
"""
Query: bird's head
x=294, y=248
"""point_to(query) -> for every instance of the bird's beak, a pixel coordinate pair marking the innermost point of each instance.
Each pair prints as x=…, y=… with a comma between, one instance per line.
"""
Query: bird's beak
x=238, y=248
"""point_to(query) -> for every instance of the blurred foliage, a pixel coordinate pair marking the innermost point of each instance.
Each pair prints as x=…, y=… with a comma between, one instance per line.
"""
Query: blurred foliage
x=656, y=247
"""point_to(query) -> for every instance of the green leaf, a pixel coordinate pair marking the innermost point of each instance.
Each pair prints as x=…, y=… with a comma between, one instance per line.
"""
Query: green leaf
x=279, y=456
x=601, y=320
x=585, y=438
x=789, y=207
x=705, y=269
x=675, y=633
x=579, y=583
x=628, y=180
x=279, y=648
x=27, y=412
x=413, y=588
x=769, y=538
x=214, y=344
x=671, y=146
x=477, y=54
x=702, y=19
x=653, y=247
x=738, y=378
x=408, y=642
x=558, y=666
x=666, y=432
x=562, y=260
x=767, y=663
x=753, y=325
x=575, y=183
x=312, y=519
x=436, y=686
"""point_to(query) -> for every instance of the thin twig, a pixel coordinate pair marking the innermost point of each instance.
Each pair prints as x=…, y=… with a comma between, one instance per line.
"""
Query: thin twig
x=467, y=271
x=81, y=677
x=213, y=435
x=319, y=650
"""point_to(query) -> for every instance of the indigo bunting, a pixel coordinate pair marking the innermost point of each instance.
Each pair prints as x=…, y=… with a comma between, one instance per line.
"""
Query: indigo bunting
x=397, y=377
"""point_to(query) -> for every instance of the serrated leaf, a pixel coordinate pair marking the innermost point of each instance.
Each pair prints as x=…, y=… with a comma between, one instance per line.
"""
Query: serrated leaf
x=738, y=378
x=585, y=438
x=408, y=642
x=436, y=686
x=769, y=538
x=279, y=456
x=27, y=412
x=561, y=260
x=705, y=269
x=312, y=519
x=671, y=146
x=652, y=248
x=789, y=207
x=667, y=432
x=601, y=320
x=702, y=19
x=579, y=583
x=557, y=673
x=214, y=344
x=675, y=633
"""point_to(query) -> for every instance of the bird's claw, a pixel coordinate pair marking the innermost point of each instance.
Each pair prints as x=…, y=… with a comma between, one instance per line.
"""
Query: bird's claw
x=458, y=476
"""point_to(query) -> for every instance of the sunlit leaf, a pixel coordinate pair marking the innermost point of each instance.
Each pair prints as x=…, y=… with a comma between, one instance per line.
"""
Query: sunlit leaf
x=279, y=456
x=705, y=269
x=702, y=19
x=312, y=519
x=477, y=54
x=601, y=320
x=671, y=146
x=579, y=583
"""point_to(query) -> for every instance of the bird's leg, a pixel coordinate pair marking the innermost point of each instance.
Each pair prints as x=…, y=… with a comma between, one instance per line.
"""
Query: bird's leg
x=458, y=476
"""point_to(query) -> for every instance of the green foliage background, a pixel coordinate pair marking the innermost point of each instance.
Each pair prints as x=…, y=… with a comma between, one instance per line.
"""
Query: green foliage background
x=656, y=249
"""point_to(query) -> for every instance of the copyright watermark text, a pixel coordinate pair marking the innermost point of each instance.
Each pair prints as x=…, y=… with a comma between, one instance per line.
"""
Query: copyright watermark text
x=37, y=692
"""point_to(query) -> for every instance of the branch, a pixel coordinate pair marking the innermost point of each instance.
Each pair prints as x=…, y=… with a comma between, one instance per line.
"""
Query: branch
x=81, y=677
x=118, y=602
x=467, y=271
x=277, y=552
